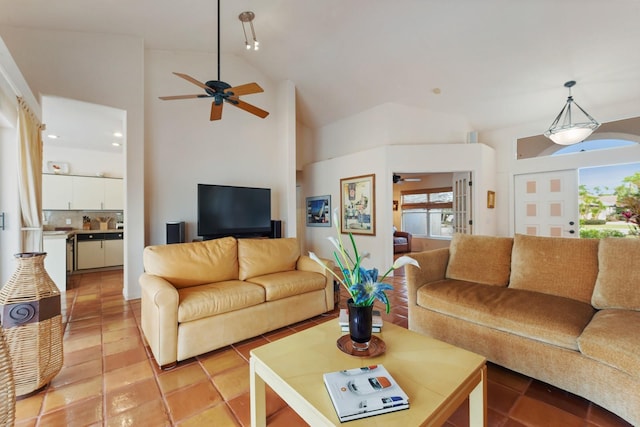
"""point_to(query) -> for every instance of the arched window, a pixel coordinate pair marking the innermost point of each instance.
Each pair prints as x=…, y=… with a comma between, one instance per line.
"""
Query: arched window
x=596, y=144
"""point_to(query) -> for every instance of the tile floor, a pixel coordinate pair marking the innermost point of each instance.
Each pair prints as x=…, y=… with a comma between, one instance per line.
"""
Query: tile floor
x=110, y=379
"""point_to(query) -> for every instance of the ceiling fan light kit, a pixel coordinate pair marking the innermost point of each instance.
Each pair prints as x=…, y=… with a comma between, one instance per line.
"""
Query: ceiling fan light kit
x=222, y=92
x=563, y=130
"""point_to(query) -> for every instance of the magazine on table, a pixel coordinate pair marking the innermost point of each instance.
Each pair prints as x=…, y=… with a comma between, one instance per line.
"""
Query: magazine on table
x=364, y=392
x=344, y=320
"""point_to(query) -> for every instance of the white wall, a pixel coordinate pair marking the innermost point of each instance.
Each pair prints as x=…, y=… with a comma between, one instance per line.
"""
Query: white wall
x=323, y=178
x=387, y=124
x=183, y=148
x=84, y=162
x=287, y=136
x=12, y=84
x=101, y=69
x=9, y=202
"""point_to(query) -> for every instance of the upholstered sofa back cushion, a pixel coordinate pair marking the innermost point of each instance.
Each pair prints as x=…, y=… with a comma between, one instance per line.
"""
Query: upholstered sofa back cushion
x=191, y=264
x=618, y=282
x=480, y=259
x=555, y=265
x=258, y=257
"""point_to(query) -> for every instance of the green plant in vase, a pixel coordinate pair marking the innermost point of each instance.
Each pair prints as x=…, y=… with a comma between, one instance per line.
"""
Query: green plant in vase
x=364, y=286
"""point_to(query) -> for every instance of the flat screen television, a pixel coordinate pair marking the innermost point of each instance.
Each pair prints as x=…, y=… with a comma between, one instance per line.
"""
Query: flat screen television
x=225, y=210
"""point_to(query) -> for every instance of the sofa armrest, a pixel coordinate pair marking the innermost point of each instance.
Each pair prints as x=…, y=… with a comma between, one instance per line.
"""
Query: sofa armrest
x=159, y=305
x=433, y=267
x=305, y=263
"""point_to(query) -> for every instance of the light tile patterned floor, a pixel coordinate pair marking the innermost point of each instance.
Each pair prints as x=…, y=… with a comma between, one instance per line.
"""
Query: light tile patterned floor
x=110, y=379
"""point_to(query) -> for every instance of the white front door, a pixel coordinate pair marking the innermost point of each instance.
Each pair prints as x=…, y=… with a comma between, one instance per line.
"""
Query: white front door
x=546, y=204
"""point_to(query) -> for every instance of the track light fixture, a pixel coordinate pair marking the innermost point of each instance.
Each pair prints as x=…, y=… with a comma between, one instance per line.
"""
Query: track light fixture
x=563, y=130
x=245, y=17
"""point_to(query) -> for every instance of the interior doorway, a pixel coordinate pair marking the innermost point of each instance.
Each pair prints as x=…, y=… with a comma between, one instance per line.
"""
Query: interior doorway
x=86, y=141
x=427, y=205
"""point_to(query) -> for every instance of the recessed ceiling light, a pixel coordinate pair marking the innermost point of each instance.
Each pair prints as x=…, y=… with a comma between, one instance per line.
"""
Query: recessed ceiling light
x=51, y=136
x=437, y=91
x=117, y=134
x=116, y=144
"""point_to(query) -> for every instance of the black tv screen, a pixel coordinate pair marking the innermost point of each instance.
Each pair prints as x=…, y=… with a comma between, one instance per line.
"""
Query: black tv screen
x=233, y=211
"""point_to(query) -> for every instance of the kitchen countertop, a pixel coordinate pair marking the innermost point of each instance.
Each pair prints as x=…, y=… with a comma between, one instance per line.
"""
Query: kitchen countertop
x=64, y=234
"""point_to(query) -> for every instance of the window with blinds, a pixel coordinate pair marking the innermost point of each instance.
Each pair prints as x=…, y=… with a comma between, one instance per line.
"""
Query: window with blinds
x=428, y=212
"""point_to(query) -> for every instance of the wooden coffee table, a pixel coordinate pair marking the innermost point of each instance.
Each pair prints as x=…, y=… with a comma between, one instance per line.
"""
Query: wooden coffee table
x=436, y=376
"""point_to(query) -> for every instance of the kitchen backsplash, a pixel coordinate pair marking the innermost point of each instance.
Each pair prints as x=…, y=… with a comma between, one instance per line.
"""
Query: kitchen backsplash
x=57, y=219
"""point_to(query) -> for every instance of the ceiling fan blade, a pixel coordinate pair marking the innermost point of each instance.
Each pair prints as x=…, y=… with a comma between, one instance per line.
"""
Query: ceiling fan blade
x=216, y=111
x=246, y=89
x=192, y=80
x=248, y=107
x=169, y=98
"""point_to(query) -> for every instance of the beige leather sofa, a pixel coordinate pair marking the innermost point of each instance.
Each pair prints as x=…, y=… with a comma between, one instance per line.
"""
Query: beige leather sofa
x=197, y=297
x=564, y=311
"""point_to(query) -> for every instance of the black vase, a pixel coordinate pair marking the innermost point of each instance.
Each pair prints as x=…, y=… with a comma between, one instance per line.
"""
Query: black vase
x=360, y=325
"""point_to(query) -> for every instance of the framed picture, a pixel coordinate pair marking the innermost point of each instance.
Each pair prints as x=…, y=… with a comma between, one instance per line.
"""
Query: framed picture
x=319, y=211
x=357, y=205
x=491, y=199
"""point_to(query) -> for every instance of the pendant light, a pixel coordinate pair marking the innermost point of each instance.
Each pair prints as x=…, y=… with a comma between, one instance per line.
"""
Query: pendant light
x=563, y=130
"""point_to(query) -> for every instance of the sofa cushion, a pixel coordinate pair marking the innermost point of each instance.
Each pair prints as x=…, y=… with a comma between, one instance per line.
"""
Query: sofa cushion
x=289, y=283
x=197, y=302
x=481, y=259
x=189, y=264
x=555, y=265
x=258, y=257
x=612, y=338
x=546, y=318
x=618, y=282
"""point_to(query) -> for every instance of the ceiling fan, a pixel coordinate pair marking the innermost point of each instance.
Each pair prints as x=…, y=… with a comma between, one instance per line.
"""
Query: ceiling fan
x=222, y=92
x=399, y=179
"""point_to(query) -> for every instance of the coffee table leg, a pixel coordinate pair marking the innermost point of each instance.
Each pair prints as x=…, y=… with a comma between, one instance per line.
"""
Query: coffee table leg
x=257, y=397
x=478, y=402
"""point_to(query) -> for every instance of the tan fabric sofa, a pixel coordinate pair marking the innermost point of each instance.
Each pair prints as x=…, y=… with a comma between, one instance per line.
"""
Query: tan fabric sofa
x=197, y=297
x=564, y=311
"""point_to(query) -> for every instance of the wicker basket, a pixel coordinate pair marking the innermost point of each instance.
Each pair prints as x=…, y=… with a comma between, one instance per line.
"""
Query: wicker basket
x=32, y=324
x=7, y=387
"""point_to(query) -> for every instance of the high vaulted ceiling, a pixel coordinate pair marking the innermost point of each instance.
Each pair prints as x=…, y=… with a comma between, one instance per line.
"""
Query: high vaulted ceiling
x=498, y=62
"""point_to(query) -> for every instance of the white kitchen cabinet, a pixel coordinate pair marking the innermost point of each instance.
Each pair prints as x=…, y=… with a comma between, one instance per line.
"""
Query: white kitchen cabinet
x=97, y=250
x=70, y=192
x=90, y=254
x=56, y=260
x=88, y=193
x=113, y=194
x=113, y=253
x=57, y=192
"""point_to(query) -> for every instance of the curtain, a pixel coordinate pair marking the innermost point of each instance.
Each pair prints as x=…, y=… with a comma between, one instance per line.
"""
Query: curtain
x=30, y=177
